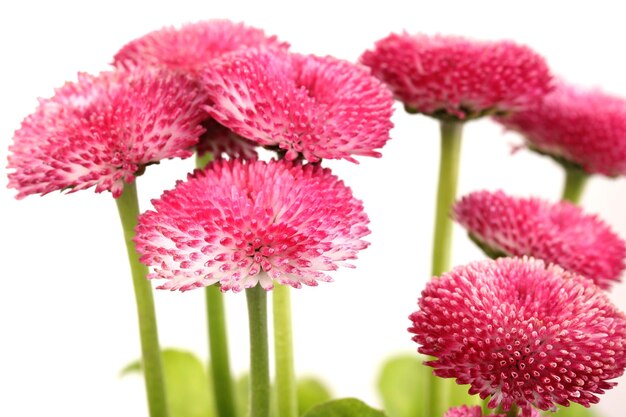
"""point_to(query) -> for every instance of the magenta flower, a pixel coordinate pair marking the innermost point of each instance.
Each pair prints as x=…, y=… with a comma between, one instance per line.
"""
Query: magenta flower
x=584, y=127
x=192, y=47
x=475, y=411
x=453, y=77
x=241, y=223
x=521, y=332
x=305, y=105
x=558, y=233
x=104, y=130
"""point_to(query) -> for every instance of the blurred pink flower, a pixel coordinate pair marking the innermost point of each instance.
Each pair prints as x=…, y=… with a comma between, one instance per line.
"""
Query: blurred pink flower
x=522, y=333
x=475, y=411
x=584, y=127
x=104, y=130
x=559, y=233
x=305, y=105
x=240, y=223
x=454, y=77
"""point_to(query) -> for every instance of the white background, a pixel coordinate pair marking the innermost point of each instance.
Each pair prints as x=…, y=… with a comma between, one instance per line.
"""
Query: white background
x=67, y=319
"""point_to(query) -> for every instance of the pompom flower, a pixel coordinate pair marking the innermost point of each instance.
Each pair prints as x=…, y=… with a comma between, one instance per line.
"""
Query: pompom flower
x=241, y=223
x=581, y=126
x=104, y=130
x=305, y=105
x=521, y=332
x=558, y=233
x=455, y=78
x=194, y=45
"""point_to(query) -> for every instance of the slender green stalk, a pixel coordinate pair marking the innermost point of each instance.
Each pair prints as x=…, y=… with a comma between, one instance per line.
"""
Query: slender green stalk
x=575, y=181
x=451, y=132
x=223, y=385
x=513, y=411
x=128, y=208
x=223, y=382
x=259, y=405
x=287, y=402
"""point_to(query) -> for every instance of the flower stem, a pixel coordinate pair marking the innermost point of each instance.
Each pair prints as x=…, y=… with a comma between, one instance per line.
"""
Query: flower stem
x=513, y=411
x=287, y=403
x=128, y=208
x=223, y=383
x=259, y=405
x=451, y=132
x=575, y=181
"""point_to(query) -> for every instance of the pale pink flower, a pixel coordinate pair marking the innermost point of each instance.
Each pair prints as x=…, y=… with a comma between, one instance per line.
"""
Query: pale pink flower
x=559, y=233
x=521, y=332
x=193, y=46
x=104, y=130
x=305, y=105
x=240, y=223
x=453, y=77
x=581, y=126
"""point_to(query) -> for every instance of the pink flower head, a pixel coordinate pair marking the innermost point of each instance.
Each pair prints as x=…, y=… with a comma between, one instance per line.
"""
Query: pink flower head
x=219, y=141
x=584, y=127
x=452, y=77
x=476, y=411
x=104, y=130
x=193, y=46
x=558, y=233
x=306, y=105
x=239, y=223
x=521, y=332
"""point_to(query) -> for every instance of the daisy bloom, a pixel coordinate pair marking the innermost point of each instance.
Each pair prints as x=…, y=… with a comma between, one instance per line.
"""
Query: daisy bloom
x=581, y=126
x=559, y=233
x=308, y=106
x=521, y=332
x=240, y=223
x=193, y=46
x=451, y=77
x=104, y=130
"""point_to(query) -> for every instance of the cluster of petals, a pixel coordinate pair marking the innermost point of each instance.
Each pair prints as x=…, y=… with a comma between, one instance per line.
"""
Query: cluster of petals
x=521, y=332
x=586, y=127
x=243, y=223
x=193, y=46
x=308, y=106
x=559, y=233
x=476, y=411
x=103, y=130
x=454, y=77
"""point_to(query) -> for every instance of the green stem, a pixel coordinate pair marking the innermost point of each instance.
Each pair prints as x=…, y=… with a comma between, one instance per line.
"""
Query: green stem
x=128, y=208
x=575, y=181
x=259, y=405
x=223, y=382
x=451, y=132
x=287, y=403
x=223, y=385
x=513, y=411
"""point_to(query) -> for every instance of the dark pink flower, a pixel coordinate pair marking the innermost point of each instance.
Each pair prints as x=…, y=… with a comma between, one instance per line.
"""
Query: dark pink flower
x=194, y=45
x=308, y=106
x=240, y=223
x=454, y=77
x=584, y=127
x=521, y=332
x=104, y=130
x=558, y=233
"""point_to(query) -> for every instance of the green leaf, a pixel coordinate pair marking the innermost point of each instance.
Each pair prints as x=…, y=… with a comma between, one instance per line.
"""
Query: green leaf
x=575, y=410
x=345, y=407
x=403, y=385
x=311, y=392
x=187, y=383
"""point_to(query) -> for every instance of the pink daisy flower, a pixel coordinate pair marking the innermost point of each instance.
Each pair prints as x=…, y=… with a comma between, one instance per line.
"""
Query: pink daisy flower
x=305, y=105
x=452, y=77
x=104, y=130
x=558, y=233
x=194, y=45
x=521, y=332
x=584, y=127
x=241, y=223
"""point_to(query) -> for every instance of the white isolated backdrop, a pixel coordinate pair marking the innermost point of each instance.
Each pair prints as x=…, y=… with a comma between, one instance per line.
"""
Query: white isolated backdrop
x=67, y=318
